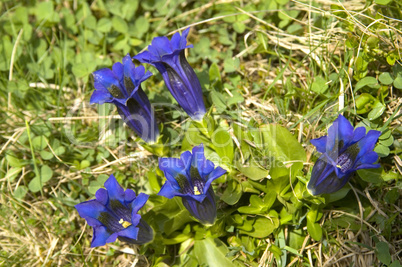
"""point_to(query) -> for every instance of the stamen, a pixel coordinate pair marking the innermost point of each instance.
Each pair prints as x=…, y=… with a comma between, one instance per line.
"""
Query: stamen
x=124, y=223
x=196, y=192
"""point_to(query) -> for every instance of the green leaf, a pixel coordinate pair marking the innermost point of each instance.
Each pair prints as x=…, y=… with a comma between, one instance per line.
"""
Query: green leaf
x=286, y=155
x=398, y=82
x=14, y=161
x=365, y=103
x=262, y=227
x=141, y=25
x=39, y=142
x=119, y=24
x=315, y=230
x=104, y=25
x=385, y=78
x=90, y=22
x=219, y=101
x=46, y=173
x=20, y=192
x=232, y=193
x=319, y=85
x=340, y=194
x=382, y=151
x=177, y=221
x=12, y=173
x=212, y=252
x=231, y=64
x=214, y=73
x=252, y=170
x=387, y=142
x=45, y=155
x=395, y=264
x=382, y=2
x=239, y=27
x=80, y=70
x=98, y=183
x=223, y=144
x=371, y=175
x=153, y=181
x=36, y=184
x=382, y=252
x=44, y=10
x=377, y=111
x=366, y=81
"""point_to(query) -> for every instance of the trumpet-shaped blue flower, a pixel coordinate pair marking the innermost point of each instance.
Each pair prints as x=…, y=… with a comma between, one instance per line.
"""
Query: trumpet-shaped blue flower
x=169, y=59
x=344, y=151
x=190, y=178
x=113, y=214
x=121, y=86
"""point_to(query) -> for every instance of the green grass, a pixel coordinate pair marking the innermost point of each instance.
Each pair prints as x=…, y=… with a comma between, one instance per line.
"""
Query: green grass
x=289, y=63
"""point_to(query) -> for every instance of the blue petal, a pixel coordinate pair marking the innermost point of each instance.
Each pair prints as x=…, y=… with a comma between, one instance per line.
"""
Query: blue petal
x=324, y=179
x=168, y=190
x=100, y=97
x=144, y=57
x=369, y=158
x=129, y=196
x=358, y=134
x=183, y=39
x=368, y=166
x=93, y=222
x=106, y=77
x=160, y=46
x=171, y=167
x=114, y=190
x=204, y=166
x=139, y=202
x=320, y=143
x=186, y=158
x=102, y=196
x=341, y=130
x=91, y=209
x=118, y=70
x=129, y=232
x=175, y=41
x=215, y=174
x=367, y=144
x=100, y=236
x=139, y=116
x=205, y=210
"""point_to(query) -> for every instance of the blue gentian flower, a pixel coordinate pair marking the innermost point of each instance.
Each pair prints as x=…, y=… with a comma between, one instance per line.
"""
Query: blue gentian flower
x=344, y=151
x=169, y=59
x=190, y=178
x=113, y=214
x=121, y=86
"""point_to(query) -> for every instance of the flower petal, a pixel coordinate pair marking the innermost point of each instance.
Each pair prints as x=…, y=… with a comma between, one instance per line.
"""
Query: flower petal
x=91, y=209
x=139, y=202
x=205, y=210
x=369, y=158
x=367, y=144
x=168, y=190
x=341, y=130
x=320, y=143
x=100, y=236
x=118, y=70
x=100, y=97
x=172, y=167
x=102, y=196
x=215, y=174
x=358, y=134
x=114, y=189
